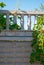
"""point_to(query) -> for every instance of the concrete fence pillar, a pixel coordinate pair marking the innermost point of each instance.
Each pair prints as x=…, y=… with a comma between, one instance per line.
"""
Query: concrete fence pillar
x=35, y=21
x=14, y=19
x=29, y=22
x=7, y=21
x=22, y=22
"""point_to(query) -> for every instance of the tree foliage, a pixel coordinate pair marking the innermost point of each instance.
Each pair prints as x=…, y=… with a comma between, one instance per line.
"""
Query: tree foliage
x=2, y=22
x=13, y=25
x=2, y=4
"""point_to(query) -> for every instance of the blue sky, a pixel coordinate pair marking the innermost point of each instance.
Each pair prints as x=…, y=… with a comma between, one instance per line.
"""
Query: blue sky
x=22, y=4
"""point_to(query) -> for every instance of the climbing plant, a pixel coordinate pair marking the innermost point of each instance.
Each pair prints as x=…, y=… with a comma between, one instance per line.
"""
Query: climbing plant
x=38, y=41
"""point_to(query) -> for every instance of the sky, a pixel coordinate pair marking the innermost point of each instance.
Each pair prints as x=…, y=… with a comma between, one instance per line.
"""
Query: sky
x=22, y=4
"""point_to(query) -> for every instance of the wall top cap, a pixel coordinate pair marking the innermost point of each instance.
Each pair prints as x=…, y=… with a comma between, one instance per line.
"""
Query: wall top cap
x=22, y=12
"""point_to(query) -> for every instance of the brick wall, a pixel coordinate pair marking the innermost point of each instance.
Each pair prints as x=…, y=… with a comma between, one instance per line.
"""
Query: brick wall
x=15, y=47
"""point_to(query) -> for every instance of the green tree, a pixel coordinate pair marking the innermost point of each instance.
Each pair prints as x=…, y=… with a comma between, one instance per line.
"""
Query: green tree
x=2, y=4
x=13, y=25
x=2, y=22
x=2, y=18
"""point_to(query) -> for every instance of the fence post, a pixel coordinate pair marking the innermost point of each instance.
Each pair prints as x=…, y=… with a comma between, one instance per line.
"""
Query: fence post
x=29, y=22
x=22, y=22
x=7, y=21
x=14, y=19
x=35, y=22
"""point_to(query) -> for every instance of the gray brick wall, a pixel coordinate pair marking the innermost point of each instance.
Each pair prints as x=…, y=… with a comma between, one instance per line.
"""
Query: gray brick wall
x=15, y=48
